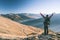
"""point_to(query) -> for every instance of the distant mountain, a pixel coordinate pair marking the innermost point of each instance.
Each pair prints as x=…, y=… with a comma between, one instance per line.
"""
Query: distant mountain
x=12, y=16
x=24, y=16
x=16, y=17
x=34, y=16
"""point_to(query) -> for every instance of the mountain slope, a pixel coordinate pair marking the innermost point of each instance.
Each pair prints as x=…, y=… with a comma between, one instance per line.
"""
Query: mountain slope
x=10, y=27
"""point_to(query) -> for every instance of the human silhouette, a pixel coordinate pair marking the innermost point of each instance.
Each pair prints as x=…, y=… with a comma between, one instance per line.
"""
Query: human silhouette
x=46, y=23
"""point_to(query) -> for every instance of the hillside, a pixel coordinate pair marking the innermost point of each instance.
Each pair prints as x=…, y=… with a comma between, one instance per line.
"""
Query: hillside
x=9, y=27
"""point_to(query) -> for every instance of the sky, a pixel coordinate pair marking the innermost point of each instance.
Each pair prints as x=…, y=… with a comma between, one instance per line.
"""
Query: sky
x=30, y=6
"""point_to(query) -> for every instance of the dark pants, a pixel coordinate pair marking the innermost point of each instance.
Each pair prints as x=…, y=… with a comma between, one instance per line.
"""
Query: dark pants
x=45, y=29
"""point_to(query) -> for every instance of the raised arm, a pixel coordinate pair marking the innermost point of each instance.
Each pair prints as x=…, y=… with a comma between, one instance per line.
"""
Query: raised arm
x=42, y=15
x=51, y=15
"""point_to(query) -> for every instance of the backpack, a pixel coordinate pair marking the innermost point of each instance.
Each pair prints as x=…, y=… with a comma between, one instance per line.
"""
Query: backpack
x=47, y=20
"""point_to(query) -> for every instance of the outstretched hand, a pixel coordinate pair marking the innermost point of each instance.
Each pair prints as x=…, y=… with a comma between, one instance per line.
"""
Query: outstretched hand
x=42, y=15
x=51, y=15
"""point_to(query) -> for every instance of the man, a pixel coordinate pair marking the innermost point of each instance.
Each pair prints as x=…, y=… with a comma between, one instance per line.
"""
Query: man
x=46, y=23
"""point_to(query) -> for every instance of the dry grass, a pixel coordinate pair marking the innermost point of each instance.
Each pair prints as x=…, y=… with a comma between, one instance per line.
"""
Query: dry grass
x=10, y=29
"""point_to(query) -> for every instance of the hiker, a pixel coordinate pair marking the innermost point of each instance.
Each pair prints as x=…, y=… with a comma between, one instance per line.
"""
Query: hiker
x=46, y=23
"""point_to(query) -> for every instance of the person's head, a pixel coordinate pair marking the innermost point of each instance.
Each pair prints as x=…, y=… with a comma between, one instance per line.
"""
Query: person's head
x=46, y=15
